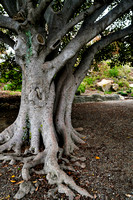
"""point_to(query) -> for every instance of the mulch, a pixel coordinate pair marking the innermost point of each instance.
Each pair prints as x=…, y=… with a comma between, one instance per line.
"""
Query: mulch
x=108, y=175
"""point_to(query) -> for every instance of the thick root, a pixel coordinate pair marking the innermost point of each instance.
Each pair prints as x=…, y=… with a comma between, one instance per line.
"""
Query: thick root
x=54, y=172
x=70, y=137
x=24, y=188
x=14, y=143
x=56, y=176
x=64, y=182
x=39, y=159
x=6, y=134
x=76, y=138
x=12, y=137
x=75, y=131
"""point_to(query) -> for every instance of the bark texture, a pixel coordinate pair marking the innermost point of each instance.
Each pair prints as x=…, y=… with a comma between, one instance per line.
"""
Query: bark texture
x=50, y=81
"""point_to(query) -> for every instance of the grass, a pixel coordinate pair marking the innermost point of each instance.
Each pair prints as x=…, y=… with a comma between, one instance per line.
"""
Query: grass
x=12, y=93
x=108, y=92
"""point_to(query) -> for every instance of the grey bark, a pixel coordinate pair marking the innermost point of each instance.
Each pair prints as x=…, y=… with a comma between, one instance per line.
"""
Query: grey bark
x=9, y=23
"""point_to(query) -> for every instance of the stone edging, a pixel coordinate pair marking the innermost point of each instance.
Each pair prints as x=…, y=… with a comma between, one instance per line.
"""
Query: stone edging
x=13, y=102
x=97, y=98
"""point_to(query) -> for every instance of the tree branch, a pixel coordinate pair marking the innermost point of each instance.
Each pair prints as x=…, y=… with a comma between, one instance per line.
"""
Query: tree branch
x=89, y=54
x=89, y=33
x=8, y=23
x=6, y=39
x=40, y=10
x=58, y=36
x=69, y=8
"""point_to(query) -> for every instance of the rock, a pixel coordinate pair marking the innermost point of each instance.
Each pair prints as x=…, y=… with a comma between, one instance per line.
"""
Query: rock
x=121, y=97
x=115, y=86
x=96, y=98
x=131, y=85
x=105, y=85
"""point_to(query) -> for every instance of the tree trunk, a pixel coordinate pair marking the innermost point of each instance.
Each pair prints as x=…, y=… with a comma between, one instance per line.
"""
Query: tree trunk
x=44, y=115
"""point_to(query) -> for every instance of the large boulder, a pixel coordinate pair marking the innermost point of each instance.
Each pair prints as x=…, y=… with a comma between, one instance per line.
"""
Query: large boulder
x=105, y=84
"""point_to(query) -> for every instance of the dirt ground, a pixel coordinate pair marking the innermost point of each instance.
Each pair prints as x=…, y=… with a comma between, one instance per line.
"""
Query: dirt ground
x=108, y=175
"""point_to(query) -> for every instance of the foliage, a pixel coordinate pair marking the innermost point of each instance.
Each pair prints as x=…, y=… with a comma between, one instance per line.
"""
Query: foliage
x=113, y=72
x=10, y=73
x=119, y=74
x=123, y=83
x=121, y=51
x=81, y=88
x=108, y=92
x=126, y=50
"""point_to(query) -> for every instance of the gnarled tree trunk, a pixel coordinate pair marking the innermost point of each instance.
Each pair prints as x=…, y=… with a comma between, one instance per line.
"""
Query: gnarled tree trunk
x=41, y=118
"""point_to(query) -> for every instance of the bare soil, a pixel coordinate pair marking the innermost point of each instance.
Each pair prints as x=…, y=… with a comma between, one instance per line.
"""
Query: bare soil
x=108, y=175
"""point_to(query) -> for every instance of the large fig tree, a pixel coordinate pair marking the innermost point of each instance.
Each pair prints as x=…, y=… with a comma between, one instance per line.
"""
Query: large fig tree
x=47, y=37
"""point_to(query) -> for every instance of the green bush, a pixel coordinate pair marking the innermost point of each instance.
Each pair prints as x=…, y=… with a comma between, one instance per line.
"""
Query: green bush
x=120, y=83
x=12, y=86
x=10, y=73
x=123, y=83
x=90, y=81
x=113, y=72
x=108, y=92
x=81, y=88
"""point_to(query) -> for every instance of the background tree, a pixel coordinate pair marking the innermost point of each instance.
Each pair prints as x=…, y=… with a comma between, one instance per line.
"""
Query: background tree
x=120, y=51
x=46, y=49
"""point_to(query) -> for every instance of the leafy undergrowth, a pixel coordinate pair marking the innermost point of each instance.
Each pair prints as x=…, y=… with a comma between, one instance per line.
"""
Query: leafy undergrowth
x=7, y=93
x=121, y=75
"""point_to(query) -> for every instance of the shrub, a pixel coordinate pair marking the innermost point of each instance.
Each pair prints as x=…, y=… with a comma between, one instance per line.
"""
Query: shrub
x=10, y=73
x=123, y=83
x=81, y=88
x=12, y=86
x=113, y=72
x=108, y=92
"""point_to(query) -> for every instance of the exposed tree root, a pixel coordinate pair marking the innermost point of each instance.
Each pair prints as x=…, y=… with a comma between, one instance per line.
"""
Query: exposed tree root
x=14, y=143
x=6, y=134
x=24, y=188
x=39, y=159
x=54, y=173
x=49, y=157
x=13, y=156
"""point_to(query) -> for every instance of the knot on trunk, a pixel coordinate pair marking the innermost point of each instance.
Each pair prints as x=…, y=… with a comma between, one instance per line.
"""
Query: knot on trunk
x=39, y=94
x=40, y=39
